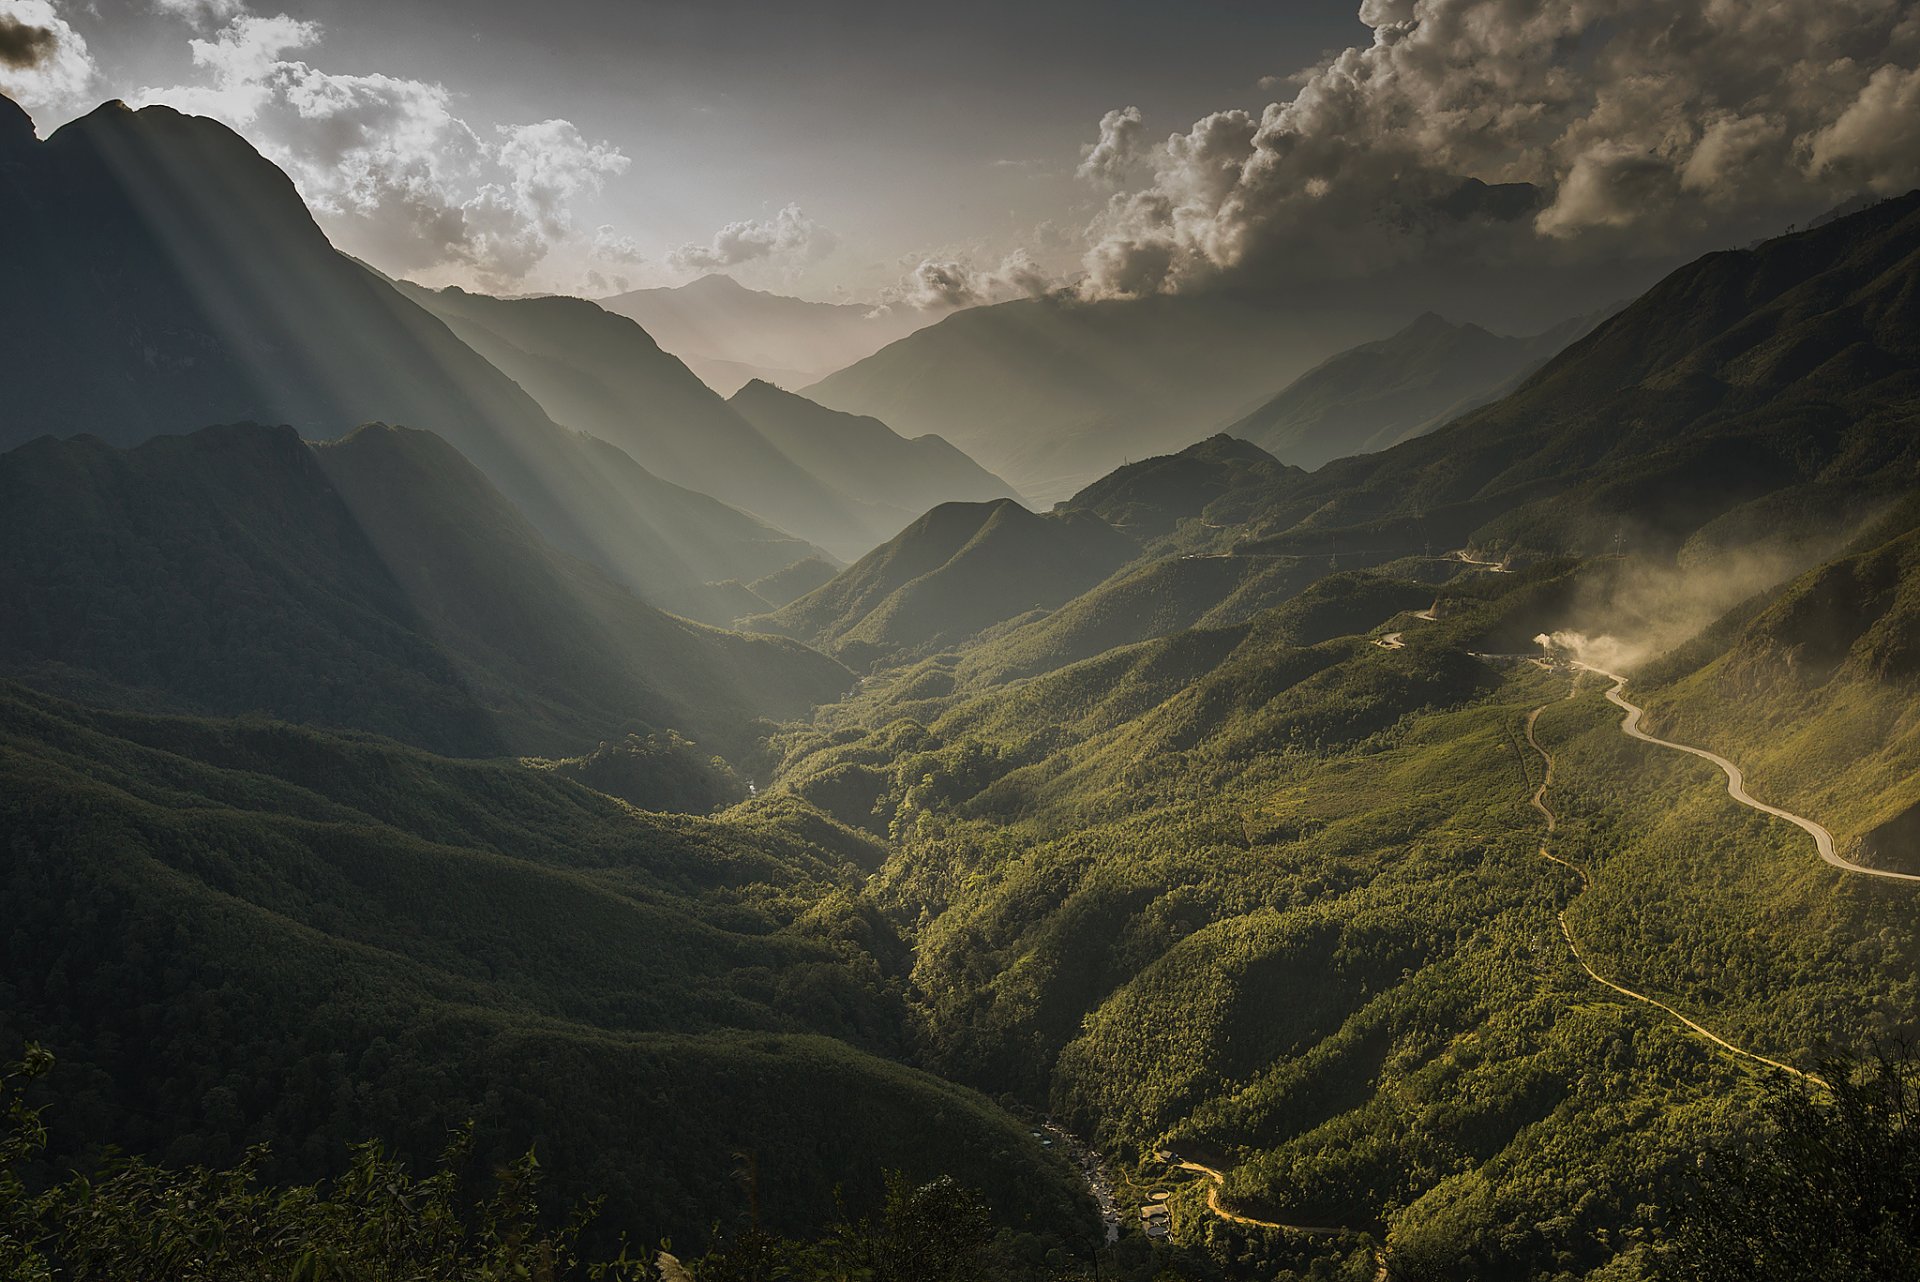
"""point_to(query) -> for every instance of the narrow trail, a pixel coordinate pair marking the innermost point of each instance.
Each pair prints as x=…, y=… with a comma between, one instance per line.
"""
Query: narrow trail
x=1540, y=804
x=1736, y=782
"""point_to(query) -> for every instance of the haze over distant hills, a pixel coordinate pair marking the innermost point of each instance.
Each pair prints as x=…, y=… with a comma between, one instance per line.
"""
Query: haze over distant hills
x=1052, y=393
x=1381, y=393
x=729, y=334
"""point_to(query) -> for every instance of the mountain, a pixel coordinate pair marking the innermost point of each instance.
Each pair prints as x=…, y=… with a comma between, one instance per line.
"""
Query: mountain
x=601, y=373
x=960, y=568
x=1384, y=392
x=1153, y=496
x=160, y=276
x=865, y=457
x=1053, y=393
x=1747, y=394
x=730, y=335
x=376, y=583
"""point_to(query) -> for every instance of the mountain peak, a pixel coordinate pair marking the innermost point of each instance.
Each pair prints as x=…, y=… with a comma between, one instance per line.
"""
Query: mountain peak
x=1428, y=323
x=716, y=284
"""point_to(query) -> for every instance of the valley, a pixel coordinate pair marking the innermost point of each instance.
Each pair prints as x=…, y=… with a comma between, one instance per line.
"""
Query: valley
x=1133, y=785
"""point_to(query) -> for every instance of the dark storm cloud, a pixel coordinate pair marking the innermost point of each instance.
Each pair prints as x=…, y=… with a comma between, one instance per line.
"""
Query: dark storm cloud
x=23, y=45
x=1590, y=127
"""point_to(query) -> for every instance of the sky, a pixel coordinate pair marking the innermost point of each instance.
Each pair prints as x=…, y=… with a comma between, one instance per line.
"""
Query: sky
x=924, y=155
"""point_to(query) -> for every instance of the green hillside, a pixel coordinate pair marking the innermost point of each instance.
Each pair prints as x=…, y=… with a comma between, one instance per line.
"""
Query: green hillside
x=233, y=933
x=1341, y=876
x=1153, y=496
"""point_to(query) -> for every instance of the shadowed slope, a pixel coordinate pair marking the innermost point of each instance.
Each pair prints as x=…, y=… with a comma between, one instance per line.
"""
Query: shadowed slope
x=377, y=583
x=159, y=275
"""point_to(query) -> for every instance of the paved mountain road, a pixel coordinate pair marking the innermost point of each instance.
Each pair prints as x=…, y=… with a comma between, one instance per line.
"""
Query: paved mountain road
x=1736, y=782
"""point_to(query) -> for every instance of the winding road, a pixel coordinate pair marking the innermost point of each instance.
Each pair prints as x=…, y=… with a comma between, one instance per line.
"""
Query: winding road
x=1540, y=804
x=1736, y=782
x=1219, y=1179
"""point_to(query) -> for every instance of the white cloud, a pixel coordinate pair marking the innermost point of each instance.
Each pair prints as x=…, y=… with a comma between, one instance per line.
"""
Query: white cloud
x=44, y=63
x=610, y=259
x=389, y=168
x=937, y=283
x=1111, y=157
x=1596, y=126
x=202, y=13
x=789, y=236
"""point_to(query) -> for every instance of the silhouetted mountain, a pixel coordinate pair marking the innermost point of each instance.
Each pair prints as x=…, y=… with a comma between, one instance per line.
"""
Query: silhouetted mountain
x=866, y=458
x=1750, y=390
x=159, y=275
x=1052, y=393
x=729, y=334
x=377, y=583
x=1381, y=393
x=960, y=568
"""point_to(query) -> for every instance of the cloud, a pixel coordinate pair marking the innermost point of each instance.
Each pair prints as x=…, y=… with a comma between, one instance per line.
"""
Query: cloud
x=202, y=13
x=388, y=167
x=1489, y=131
x=951, y=283
x=610, y=255
x=789, y=236
x=24, y=46
x=44, y=63
x=1110, y=158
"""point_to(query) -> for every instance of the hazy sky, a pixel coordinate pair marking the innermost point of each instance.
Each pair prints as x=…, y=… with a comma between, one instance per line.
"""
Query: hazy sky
x=900, y=132
x=960, y=153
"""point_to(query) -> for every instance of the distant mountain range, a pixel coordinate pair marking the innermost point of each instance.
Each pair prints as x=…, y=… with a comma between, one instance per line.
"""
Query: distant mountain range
x=1742, y=397
x=1381, y=393
x=730, y=335
x=797, y=466
x=162, y=276
x=1053, y=393
x=139, y=303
